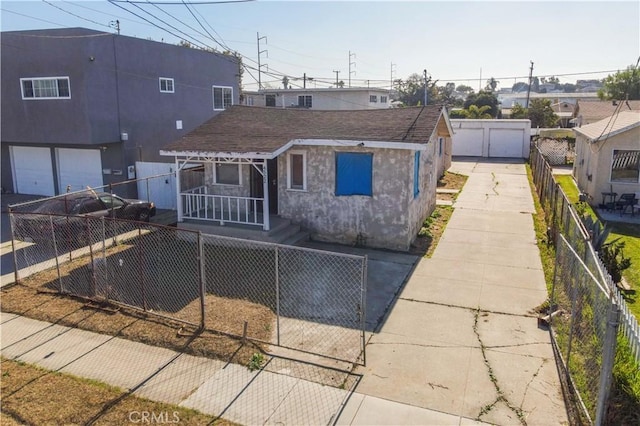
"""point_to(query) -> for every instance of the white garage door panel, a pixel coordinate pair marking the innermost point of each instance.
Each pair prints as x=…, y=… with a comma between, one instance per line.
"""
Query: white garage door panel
x=506, y=143
x=162, y=191
x=468, y=142
x=79, y=168
x=32, y=170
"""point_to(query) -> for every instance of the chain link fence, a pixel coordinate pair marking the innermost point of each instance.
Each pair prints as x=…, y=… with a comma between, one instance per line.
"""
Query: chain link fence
x=586, y=297
x=298, y=298
x=584, y=323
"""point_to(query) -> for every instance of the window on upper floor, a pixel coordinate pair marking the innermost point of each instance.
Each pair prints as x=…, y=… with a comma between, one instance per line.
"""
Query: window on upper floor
x=354, y=173
x=305, y=101
x=625, y=166
x=373, y=98
x=270, y=100
x=222, y=97
x=383, y=99
x=166, y=85
x=45, y=88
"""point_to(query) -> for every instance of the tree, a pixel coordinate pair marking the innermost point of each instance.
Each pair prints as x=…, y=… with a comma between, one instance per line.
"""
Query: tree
x=492, y=83
x=477, y=112
x=520, y=87
x=481, y=99
x=463, y=88
x=567, y=87
x=541, y=114
x=411, y=90
x=622, y=84
x=519, y=112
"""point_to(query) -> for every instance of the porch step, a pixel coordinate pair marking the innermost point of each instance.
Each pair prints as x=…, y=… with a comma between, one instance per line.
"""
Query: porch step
x=282, y=230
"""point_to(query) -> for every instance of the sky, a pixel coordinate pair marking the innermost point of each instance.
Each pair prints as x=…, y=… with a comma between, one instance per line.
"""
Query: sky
x=465, y=42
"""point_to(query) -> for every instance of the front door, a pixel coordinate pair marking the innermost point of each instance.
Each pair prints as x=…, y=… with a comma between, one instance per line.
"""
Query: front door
x=257, y=188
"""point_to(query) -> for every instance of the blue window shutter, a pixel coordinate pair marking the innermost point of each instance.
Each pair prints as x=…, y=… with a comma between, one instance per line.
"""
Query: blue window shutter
x=416, y=175
x=354, y=172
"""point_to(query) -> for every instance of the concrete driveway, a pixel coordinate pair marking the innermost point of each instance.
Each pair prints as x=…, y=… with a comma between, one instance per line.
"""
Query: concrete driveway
x=462, y=338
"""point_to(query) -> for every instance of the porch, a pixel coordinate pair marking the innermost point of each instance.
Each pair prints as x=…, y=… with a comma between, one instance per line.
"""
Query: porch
x=282, y=230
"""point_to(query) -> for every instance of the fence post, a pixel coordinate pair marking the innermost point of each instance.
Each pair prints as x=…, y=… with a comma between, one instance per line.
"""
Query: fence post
x=13, y=247
x=608, y=358
x=55, y=253
x=277, y=269
x=93, y=261
x=202, y=278
x=141, y=270
x=363, y=308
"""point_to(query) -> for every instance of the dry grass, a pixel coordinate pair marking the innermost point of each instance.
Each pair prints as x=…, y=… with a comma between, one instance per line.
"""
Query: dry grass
x=36, y=297
x=31, y=395
x=452, y=181
x=431, y=231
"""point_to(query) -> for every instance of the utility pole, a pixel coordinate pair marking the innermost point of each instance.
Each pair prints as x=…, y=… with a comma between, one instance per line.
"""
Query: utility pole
x=304, y=80
x=115, y=24
x=337, y=72
x=351, y=63
x=530, y=81
x=425, y=87
x=260, y=52
x=391, y=85
x=480, y=81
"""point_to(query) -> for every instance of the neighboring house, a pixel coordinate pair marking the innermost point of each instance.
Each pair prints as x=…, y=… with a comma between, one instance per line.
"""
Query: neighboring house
x=320, y=99
x=82, y=107
x=565, y=112
x=509, y=100
x=590, y=111
x=608, y=156
x=363, y=177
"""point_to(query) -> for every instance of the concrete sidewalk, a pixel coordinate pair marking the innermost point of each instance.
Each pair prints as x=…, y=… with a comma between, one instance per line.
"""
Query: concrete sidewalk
x=285, y=392
x=462, y=338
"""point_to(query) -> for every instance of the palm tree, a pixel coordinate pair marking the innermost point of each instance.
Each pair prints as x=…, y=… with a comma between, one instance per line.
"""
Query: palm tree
x=478, y=112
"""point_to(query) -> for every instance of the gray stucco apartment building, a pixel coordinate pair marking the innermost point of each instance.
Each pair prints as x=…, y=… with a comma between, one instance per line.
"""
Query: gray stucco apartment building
x=87, y=108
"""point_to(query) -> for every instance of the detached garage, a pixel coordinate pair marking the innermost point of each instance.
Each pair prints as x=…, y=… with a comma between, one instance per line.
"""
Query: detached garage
x=34, y=172
x=491, y=138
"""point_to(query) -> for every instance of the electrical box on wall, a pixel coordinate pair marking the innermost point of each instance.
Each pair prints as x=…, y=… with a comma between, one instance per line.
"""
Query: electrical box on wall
x=131, y=172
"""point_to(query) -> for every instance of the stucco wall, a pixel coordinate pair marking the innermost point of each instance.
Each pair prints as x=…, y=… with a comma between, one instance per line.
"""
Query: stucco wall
x=595, y=160
x=422, y=206
x=382, y=220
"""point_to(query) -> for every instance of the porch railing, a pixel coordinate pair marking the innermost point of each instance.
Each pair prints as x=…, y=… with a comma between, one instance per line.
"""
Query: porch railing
x=197, y=204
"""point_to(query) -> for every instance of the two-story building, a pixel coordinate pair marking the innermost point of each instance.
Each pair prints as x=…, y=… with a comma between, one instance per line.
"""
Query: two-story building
x=87, y=108
x=351, y=98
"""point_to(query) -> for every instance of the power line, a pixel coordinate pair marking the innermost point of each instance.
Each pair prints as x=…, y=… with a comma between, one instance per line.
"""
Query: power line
x=173, y=3
x=77, y=16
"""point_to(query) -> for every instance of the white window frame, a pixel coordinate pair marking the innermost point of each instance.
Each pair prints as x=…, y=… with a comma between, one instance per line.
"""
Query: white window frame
x=37, y=98
x=373, y=99
x=166, y=80
x=213, y=94
x=290, y=172
x=620, y=182
x=304, y=104
x=215, y=173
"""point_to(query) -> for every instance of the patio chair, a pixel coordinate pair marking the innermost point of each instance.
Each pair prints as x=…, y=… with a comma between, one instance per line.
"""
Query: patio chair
x=627, y=202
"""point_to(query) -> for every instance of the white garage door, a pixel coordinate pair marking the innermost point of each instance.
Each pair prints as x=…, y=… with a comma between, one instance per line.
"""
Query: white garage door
x=78, y=168
x=160, y=190
x=506, y=143
x=468, y=142
x=32, y=170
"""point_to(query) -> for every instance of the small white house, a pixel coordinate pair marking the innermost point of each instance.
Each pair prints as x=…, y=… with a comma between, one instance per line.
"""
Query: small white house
x=320, y=99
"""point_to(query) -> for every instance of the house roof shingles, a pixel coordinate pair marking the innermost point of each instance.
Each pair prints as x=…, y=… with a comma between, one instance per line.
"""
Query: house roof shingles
x=610, y=126
x=597, y=110
x=249, y=129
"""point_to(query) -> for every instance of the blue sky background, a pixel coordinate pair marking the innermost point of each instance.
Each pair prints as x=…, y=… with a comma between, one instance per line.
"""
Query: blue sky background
x=453, y=40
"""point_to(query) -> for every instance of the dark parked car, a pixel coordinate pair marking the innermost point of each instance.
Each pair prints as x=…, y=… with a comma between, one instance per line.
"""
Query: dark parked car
x=70, y=215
